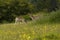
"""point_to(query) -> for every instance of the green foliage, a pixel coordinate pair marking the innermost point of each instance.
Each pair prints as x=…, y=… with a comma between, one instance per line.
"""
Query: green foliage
x=55, y=16
x=14, y=8
x=27, y=18
x=9, y=9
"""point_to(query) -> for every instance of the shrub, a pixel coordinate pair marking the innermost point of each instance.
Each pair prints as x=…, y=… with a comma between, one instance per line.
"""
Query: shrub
x=27, y=18
x=55, y=16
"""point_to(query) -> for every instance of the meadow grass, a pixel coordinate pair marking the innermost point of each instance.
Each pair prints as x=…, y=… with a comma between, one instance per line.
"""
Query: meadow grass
x=30, y=32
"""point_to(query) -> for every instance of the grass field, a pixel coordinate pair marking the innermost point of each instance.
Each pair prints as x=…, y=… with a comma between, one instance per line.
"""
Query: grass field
x=46, y=28
x=30, y=32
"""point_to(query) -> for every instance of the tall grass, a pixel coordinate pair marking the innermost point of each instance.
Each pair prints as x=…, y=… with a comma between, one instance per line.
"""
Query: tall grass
x=29, y=32
x=53, y=17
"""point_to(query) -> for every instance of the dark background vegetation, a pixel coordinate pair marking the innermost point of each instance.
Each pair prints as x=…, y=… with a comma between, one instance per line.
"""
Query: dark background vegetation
x=9, y=9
